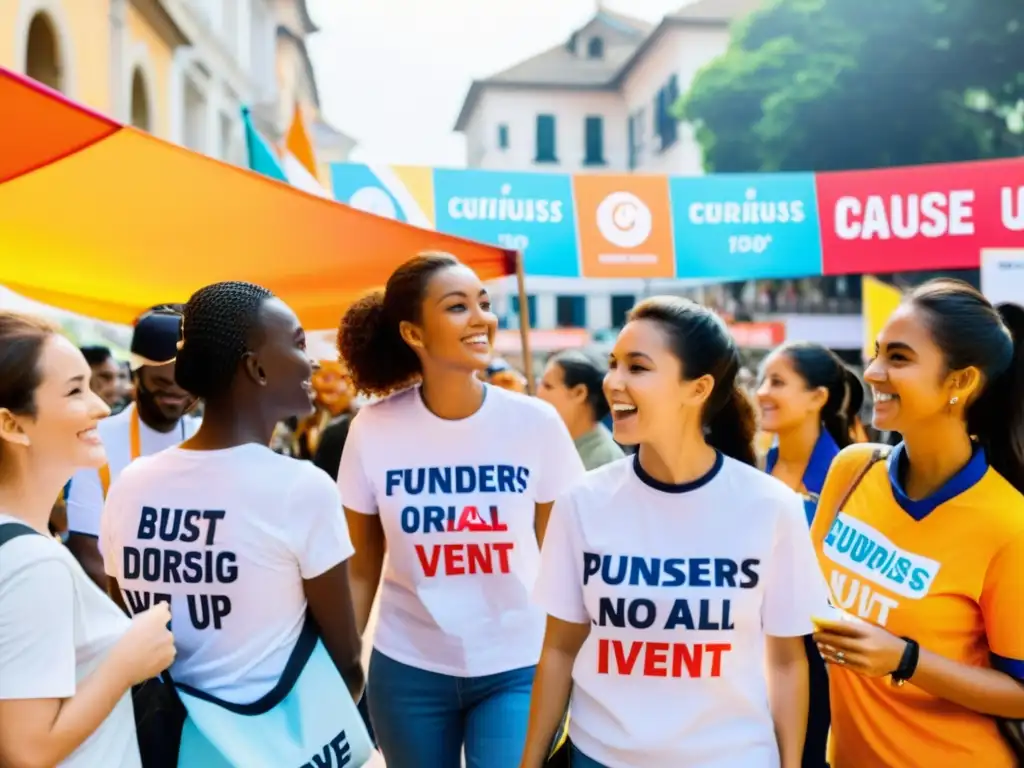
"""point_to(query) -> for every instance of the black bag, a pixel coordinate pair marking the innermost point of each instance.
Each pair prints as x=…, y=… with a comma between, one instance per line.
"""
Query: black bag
x=159, y=718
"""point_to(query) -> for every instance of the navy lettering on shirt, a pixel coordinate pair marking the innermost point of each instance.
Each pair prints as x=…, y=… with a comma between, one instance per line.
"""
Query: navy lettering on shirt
x=467, y=516
x=163, y=563
x=662, y=658
x=337, y=753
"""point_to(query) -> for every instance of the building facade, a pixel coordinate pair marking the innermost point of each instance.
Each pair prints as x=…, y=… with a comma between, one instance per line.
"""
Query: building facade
x=180, y=69
x=601, y=102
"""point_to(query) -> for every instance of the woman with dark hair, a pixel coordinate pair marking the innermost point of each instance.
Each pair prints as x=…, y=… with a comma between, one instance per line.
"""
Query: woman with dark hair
x=927, y=551
x=679, y=582
x=68, y=657
x=572, y=383
x=244, y=543
x=455, y=479
x=807, y=399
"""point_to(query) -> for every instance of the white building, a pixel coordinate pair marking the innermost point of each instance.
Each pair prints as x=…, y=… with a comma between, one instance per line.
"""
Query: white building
x=600, y=103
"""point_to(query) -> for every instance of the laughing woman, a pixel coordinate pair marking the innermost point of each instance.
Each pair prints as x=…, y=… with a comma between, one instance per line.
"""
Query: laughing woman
x=671, y=576
x=806, y=396
x=938, y=653
x=455, y=478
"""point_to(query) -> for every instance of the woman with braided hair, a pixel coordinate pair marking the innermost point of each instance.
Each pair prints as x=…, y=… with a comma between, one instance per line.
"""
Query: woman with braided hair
x=808, y=400
x=242, y=542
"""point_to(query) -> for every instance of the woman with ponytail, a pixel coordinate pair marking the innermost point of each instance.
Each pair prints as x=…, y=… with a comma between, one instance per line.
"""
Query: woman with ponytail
x=455, y=478
x=927, y=551
x=679, y=582
x=806, y=396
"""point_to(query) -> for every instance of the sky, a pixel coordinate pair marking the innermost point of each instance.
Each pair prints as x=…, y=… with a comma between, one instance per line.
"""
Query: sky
x=393, y=73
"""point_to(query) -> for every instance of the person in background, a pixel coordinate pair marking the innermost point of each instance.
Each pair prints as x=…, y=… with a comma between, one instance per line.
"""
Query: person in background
x=572, y=382
x=125, y=387
x=501, y=374
x=935, y=651
x=679, y=582
x=68, y=656
x=333, y=394
x=807, y=399
x=270, y=542
x=105, y=372
x=455, y=478
x=154, y=422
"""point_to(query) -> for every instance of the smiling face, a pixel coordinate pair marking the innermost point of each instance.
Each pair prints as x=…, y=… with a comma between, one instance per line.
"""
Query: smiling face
x=908, y=377
x=333, y=387
x=62, y=431
x=785, y=400
x=570, y=402
x=161, y=401
x=457, y=327
x=278, y=361
x=645, y=385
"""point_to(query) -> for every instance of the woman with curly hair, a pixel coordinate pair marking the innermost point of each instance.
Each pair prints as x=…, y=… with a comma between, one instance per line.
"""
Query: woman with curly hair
x=456, y=479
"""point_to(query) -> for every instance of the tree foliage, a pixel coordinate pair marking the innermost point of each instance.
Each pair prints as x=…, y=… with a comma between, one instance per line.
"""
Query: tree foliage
x=841, y=84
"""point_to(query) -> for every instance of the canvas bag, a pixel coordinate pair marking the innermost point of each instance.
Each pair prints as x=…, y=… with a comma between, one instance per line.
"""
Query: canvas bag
x=308, y=720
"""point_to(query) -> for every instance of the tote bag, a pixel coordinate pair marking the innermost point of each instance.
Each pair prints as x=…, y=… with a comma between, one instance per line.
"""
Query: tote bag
x=308, y=720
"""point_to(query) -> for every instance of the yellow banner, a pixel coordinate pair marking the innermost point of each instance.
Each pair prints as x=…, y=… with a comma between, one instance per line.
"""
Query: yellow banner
x=880, y=301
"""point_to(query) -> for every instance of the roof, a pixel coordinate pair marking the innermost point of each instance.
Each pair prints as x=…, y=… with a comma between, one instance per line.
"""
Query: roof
x=627, y=41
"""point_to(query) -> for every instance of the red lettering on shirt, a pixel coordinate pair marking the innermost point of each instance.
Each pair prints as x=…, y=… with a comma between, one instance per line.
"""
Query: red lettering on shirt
x=660, y=659
x=465, y=559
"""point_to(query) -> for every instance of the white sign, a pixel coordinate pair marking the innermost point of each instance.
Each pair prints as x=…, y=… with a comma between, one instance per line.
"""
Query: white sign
x=1002, y=275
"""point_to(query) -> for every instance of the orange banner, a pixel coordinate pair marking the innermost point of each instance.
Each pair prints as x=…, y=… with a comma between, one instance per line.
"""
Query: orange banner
x=105, y=220
x=625, y=226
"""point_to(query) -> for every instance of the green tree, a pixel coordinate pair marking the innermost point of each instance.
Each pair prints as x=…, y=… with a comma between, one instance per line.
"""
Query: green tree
x=841, y=84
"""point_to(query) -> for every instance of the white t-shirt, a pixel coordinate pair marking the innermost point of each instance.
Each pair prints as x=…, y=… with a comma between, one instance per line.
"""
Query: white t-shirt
x=680, y=584
x=457, y=504
x=227, y=537
x=56, y=628
x=85, y=497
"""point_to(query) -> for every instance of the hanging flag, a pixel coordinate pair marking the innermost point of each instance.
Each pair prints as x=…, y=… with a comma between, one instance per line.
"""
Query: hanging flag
x=880, y=300
x=298, y=158
x=262, y=158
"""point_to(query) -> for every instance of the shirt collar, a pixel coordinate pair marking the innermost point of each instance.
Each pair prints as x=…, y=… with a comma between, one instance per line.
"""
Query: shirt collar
x=824, y=451
x=967, y=477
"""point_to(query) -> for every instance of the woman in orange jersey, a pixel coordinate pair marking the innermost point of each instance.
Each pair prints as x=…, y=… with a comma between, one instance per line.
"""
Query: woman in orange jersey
x=926, y=553
x=805, y=395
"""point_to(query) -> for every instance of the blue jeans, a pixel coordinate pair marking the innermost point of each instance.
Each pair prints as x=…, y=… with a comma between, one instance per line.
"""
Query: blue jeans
x=424, y=719
x=579, y=760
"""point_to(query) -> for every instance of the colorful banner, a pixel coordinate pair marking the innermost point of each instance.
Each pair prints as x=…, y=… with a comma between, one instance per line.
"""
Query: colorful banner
x=712, y=228
x=880, y=300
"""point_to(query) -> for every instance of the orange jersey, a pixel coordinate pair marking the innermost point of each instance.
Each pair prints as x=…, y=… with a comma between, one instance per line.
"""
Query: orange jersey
x=947, y=571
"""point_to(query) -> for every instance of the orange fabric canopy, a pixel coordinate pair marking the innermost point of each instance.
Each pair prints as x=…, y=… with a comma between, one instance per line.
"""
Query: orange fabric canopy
x=105, y=220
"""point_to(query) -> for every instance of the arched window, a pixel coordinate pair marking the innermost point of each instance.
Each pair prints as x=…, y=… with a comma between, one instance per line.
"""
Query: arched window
x=43, y=54
x=140, y=102
x=595, y=48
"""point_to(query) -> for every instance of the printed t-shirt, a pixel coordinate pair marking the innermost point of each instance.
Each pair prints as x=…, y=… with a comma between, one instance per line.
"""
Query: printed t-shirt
x=946, y=570
x=681, y=584
x=85, y=491
x=456, y=502
x=227, y=537
x=56, y=628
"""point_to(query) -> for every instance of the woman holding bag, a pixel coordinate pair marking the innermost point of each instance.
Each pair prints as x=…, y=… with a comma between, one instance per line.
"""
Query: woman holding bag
x=927, y=551
x=248, y=547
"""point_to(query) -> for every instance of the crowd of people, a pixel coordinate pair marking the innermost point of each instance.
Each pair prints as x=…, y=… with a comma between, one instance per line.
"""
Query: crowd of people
x=655, y=562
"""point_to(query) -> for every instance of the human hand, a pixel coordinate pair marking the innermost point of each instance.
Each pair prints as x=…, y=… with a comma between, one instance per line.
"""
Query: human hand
x=147, y=648
x=864, y=648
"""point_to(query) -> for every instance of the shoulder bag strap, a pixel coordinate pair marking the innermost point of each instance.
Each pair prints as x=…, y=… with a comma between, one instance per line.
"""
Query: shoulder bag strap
x=879, y=454
x=10, y=531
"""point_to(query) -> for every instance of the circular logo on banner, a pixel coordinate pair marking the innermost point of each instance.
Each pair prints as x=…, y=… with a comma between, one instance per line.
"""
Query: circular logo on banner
x=374, y=200
x=624, y=220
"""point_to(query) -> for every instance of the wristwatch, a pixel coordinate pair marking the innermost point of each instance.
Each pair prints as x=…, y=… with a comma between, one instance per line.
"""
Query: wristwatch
x=908, y=663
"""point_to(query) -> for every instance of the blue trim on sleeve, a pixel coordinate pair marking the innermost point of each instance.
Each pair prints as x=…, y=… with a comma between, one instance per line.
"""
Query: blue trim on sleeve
x=1013, y=667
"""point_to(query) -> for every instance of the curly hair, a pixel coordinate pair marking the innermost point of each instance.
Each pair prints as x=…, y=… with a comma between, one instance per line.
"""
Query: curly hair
x=369, y=340
x=217, y=323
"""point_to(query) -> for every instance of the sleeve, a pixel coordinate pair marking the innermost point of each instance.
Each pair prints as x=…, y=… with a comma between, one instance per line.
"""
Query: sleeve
x=320, y=534
x=109, y=547
x=85, y=503
x=560, y=463
x=356, y=489
x=794, y=588
x=1002, y=606
x=37, y=655
x=559, y=586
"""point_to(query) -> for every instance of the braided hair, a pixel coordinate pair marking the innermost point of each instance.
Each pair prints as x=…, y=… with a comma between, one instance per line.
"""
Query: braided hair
x=217, y=324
